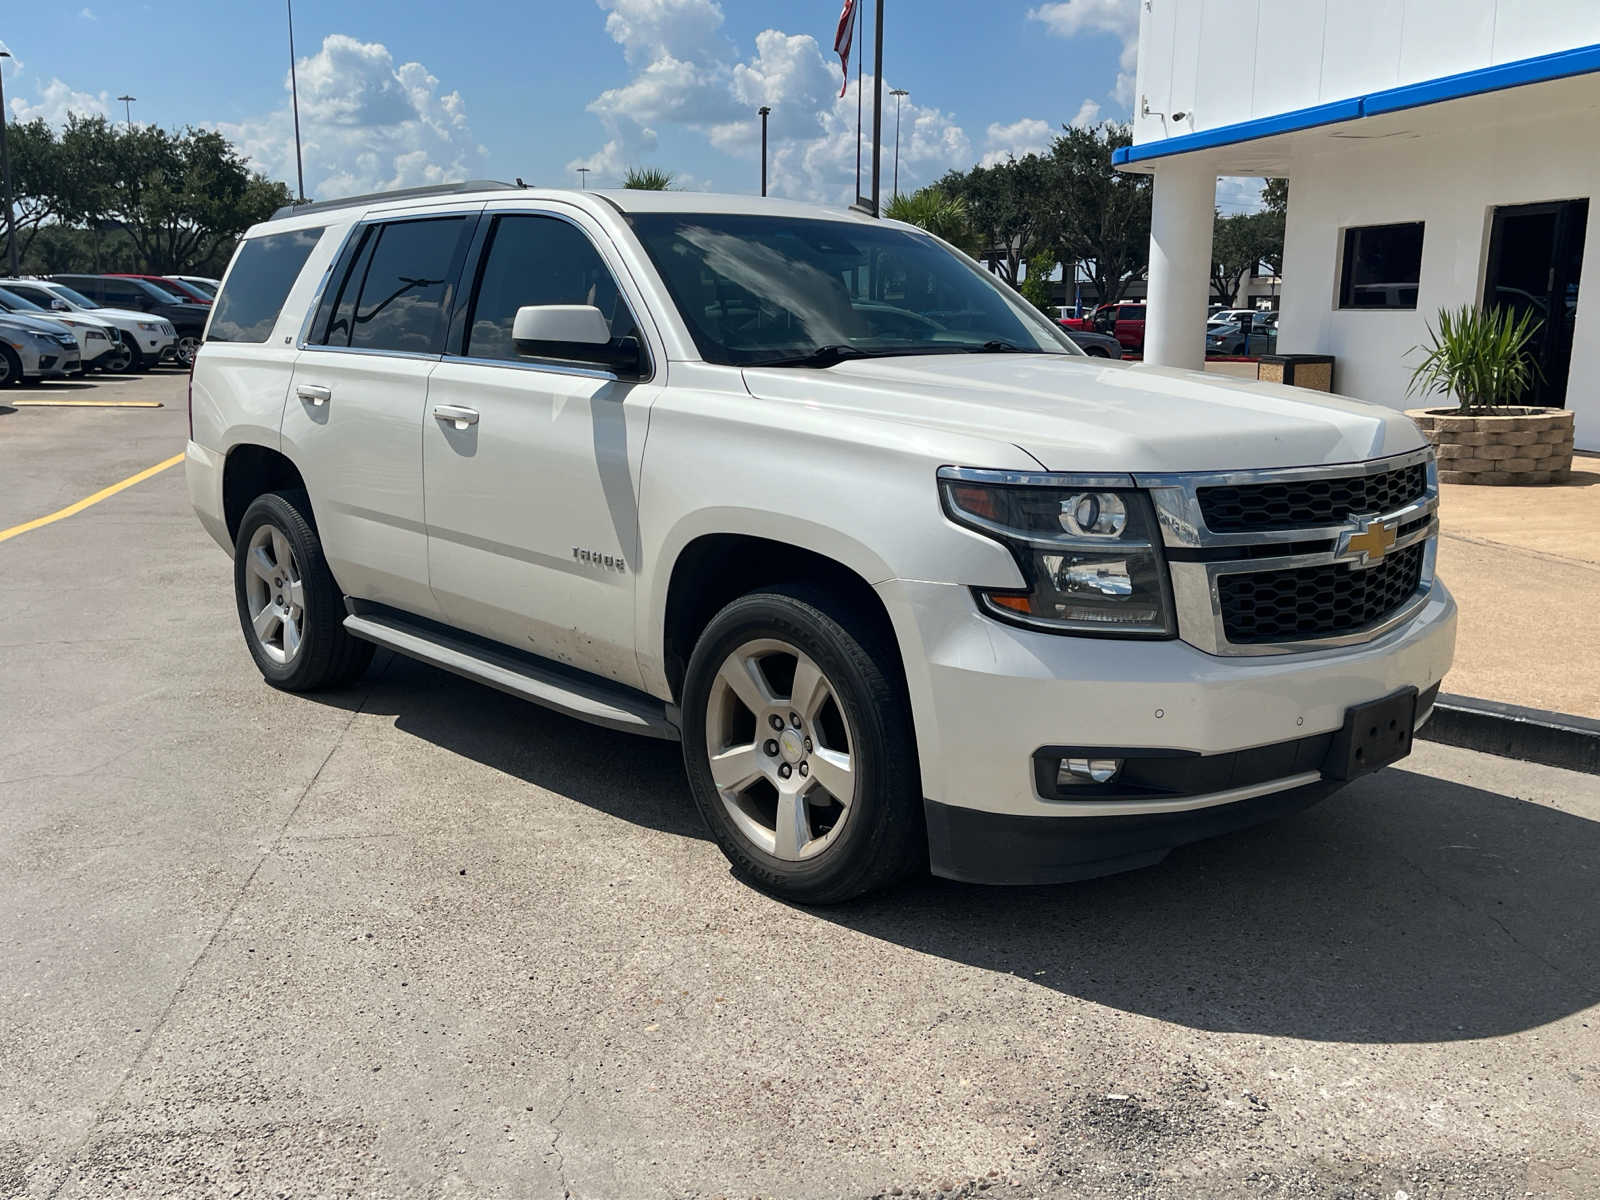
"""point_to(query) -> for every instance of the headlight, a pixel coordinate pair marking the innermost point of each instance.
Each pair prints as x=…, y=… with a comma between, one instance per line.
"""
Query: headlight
x=149, y=326
x=1090, y=556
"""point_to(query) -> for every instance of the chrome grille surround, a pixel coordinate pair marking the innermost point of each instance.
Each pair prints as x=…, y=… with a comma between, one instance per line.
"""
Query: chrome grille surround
x=1194, y=576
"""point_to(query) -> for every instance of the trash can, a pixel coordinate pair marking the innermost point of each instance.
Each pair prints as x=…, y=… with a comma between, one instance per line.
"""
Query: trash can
x=1313, y=371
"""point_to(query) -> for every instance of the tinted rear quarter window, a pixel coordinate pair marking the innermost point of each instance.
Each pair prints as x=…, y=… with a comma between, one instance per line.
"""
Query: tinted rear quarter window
x=248, y=307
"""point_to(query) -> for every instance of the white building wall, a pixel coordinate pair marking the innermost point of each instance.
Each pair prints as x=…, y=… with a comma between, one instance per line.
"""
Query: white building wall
x=1452, y=181
x=1225, y=61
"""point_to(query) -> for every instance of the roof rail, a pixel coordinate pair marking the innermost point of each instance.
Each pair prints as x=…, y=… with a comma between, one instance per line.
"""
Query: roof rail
x=413, y=193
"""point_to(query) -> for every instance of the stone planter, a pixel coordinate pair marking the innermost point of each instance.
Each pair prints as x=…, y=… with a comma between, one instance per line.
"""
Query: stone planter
x=1515, y=445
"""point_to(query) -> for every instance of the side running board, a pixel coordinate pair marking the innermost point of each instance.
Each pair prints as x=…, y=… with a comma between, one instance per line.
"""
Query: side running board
x=591, y=699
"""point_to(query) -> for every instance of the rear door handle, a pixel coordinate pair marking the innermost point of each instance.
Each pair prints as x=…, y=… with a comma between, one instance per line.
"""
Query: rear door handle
x=314, y=392
x=458, y=415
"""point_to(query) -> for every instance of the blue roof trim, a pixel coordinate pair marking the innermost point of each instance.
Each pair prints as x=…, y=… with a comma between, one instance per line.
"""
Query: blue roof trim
x=1563, y=64
x=1244, y=131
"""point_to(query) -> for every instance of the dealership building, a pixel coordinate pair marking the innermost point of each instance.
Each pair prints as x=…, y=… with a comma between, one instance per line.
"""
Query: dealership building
x=1438, y=152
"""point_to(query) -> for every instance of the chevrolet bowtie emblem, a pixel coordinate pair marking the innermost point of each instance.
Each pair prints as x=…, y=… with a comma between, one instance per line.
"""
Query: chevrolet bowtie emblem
x=1372, y=543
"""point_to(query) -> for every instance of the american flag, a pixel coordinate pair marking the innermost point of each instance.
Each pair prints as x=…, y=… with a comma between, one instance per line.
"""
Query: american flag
x=842, y=40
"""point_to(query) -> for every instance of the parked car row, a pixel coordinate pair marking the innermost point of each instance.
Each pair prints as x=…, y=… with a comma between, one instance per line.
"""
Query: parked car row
x=1120, y=327
x=113, y=323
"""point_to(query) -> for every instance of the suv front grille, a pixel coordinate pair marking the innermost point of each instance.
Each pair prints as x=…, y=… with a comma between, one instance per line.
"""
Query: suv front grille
x=1257, y=507
x=1316, y=602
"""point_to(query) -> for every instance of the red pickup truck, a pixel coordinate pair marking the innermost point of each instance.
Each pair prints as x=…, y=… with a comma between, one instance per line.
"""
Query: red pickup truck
x=1123, y=321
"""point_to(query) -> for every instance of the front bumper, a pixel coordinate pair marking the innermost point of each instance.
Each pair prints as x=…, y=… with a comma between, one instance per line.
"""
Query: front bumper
x=987, y=696
x=59, y=363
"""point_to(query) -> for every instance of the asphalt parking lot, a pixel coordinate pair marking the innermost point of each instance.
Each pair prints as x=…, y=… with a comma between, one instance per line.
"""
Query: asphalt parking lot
x=420, y=939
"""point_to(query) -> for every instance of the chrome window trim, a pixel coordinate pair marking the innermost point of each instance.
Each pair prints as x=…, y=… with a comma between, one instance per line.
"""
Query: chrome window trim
x=544, y=368
x=371, y=352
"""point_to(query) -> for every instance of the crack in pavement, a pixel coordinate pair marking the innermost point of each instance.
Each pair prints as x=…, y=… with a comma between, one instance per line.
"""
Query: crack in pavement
x=227, y=918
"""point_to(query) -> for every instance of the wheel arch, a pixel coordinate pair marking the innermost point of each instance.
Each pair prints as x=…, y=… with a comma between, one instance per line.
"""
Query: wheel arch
x=252, y=470
x=713, y=568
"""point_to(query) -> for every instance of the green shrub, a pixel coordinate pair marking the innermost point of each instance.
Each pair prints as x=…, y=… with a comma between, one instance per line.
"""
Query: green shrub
x=1478, y=358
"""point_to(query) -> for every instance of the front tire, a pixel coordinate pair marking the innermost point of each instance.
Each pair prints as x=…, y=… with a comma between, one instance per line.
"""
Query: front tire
x=10, y=368
x=118, y=362
x=798, y=744
x=188, y=344
x=290, y=608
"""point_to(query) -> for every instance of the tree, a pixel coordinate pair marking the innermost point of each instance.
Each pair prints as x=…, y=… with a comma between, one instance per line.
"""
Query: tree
x=1238, y=244
x=1100, y=221
x=648, y=179
x=1275, y=195
x=182, y=198
x=1036, y=287
x=1009, y=208
x=36, y=176
x=937, y=211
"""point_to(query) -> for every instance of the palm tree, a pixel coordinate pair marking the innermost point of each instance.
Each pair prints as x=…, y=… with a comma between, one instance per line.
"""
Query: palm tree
x=934, y=209
x=648, y=179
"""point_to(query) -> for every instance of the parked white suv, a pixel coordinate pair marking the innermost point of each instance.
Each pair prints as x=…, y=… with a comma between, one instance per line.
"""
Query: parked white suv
x=912, y=580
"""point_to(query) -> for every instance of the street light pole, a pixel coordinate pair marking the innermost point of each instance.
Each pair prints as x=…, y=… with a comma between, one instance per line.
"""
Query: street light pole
x=764, y=110
x=899, y=94
x=583, y=176
x=127, y=103
x=294, y=99
x=5, y=169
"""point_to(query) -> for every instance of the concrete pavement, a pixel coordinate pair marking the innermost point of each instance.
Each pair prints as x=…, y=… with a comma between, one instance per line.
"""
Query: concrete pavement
x=419, y=939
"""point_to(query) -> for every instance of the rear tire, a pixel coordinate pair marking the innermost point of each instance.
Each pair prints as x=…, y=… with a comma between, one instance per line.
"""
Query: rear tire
x=799, y=656
x=10, y=368
x=290, y=608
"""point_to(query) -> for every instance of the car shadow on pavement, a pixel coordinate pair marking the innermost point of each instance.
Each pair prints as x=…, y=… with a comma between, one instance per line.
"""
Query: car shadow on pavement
x=1403, y=909
x=635, y=779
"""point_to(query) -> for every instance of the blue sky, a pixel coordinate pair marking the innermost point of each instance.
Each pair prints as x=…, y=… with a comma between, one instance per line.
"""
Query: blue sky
x=399, y=92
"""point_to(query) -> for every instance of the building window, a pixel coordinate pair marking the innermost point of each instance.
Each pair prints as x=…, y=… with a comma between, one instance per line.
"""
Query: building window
x=1382, y=266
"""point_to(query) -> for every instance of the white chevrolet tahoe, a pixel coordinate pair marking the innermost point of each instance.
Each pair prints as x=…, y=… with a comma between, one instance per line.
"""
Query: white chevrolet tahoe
x=914, y=582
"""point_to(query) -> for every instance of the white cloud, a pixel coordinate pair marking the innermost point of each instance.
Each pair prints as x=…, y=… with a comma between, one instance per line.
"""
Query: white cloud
x=1088, y=114
x=55, y=100
x=1239, y=194
x=1017, y=140
x=688, y=75
x=366, y=124
x=1116, y=18
x=88, y=15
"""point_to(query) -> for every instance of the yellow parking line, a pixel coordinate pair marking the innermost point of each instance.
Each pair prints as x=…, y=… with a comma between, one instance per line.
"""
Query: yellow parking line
x=82, y=403
x=102, y=494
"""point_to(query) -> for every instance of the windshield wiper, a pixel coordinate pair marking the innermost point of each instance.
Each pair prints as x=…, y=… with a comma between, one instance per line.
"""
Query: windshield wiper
x=822, y=356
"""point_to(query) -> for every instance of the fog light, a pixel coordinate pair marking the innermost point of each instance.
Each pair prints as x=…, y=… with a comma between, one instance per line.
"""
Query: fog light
x=1076, y=772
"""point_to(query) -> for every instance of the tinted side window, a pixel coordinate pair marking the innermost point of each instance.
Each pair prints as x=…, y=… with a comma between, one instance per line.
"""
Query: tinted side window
x=400, y=284
x=538, y=260
x=119, y=293
x=247, y=309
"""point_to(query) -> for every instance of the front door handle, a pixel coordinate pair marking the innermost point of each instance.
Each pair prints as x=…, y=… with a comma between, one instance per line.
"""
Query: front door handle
x=458, y=415
x=314, y=392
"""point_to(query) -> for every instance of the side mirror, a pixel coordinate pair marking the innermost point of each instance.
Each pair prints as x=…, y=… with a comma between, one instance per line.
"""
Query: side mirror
x=573, y=333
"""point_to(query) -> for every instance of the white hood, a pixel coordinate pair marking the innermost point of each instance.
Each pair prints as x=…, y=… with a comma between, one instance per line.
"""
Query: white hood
x=1083, y=414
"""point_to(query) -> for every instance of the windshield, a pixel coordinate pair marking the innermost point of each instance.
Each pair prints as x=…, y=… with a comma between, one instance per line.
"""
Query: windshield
x=11, y=301
x=71, y=297
x=200, y=287
x=758, y=290
x=159, y=295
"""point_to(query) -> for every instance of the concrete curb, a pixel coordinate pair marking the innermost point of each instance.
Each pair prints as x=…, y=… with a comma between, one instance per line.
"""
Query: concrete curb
x=1529, y=734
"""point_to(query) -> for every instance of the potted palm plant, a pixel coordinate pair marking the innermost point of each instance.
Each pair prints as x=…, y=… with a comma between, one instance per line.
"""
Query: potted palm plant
x=1479, y=359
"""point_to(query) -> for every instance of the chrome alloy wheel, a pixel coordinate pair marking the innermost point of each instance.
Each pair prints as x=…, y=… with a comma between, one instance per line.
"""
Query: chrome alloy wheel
x=187, y=345
x=780, y=749
x=275, y=593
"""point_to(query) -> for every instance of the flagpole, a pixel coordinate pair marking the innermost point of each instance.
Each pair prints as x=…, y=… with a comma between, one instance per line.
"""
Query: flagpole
x=877, y=110
x=859, y=56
